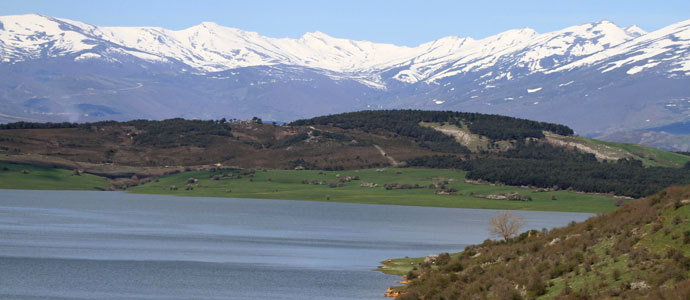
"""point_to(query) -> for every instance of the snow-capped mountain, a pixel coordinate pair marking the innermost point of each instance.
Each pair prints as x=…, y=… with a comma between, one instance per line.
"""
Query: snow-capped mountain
x=209, y=47
x=514, y=52
x=598, y=77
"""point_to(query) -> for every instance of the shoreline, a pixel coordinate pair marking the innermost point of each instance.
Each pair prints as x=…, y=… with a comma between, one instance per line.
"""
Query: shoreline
x=400, y=267
x=294, y=200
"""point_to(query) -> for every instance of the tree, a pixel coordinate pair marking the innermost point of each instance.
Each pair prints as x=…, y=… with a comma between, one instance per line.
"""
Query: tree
x=505, y=225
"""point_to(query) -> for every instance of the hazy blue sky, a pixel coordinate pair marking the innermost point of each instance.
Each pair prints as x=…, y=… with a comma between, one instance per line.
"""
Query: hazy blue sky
x=401, y=22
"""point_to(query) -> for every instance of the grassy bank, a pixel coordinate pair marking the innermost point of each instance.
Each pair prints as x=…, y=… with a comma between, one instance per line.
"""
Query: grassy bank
x=288, y=184
x=15, y=176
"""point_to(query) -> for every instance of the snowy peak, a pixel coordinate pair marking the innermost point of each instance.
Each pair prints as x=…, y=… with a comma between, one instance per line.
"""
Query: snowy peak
x=666, y=49
x=512, y=37
x=635, y=31
x=556, y=48
x=316, y=35
x=208, y=24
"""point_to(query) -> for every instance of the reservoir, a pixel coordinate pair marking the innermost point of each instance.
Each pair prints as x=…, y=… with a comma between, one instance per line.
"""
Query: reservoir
x=118, y=245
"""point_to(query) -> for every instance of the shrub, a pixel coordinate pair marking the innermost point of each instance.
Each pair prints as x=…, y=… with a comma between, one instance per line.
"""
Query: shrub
x=677, y=220
x=442, y=259
x=536, y=285
x=454, y=266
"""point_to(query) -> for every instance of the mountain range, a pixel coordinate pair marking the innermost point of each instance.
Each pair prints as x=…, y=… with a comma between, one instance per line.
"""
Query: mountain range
x=598, y=78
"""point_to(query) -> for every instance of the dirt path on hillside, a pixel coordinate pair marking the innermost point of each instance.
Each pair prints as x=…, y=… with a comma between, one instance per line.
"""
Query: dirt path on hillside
x=583, y=148
x=388, y=157
x=461, y=136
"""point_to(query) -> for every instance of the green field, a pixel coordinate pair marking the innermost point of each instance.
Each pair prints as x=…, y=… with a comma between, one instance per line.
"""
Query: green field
x=15, y=176
x=287, y=184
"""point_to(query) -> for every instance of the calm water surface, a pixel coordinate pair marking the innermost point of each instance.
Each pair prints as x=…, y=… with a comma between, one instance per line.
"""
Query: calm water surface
x=115, y=245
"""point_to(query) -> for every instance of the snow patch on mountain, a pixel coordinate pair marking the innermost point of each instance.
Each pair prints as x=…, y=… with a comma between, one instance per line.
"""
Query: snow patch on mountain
x=86, y=56
x=638, y=69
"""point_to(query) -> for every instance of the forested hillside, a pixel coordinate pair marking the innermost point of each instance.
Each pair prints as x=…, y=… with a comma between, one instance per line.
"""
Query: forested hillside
x=513, y=151
x=547, y=166
x=407, y=123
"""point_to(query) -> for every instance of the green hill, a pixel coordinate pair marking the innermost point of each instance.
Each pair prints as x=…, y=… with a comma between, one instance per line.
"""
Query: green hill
x=639, y=251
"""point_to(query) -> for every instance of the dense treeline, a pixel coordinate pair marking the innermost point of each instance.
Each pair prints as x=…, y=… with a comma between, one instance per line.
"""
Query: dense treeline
x=406, y=122
x=625, y=177
x=544, y=165
x=35, y=125
x=498, y=127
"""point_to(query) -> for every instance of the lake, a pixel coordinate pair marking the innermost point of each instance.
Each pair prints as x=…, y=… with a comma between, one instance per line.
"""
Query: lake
x=117, y=245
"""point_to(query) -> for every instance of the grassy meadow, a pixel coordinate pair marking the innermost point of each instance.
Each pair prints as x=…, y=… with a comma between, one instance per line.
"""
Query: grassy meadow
x=287, y=184
x=16, y=176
